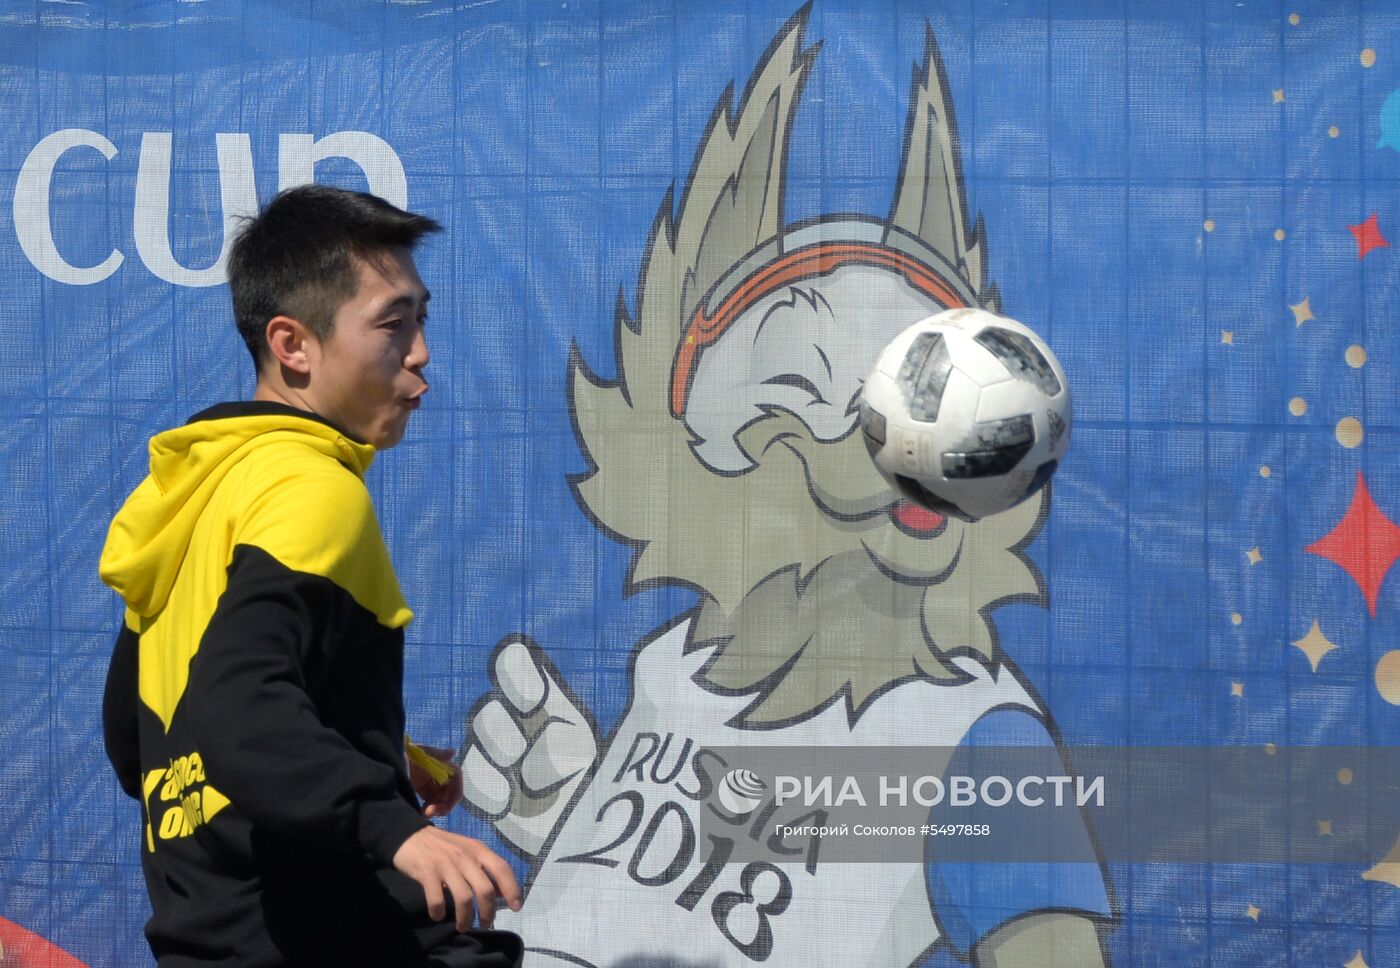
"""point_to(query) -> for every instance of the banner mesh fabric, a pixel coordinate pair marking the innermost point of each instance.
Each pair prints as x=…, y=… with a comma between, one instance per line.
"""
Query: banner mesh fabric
x=1191, y=203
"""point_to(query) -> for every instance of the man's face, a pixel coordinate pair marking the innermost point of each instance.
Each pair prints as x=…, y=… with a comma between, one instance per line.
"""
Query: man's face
x=367, y=376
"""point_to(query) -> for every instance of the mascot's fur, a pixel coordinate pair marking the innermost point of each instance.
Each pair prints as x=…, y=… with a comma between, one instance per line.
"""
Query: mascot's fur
x=727, y=455
x=809, y=589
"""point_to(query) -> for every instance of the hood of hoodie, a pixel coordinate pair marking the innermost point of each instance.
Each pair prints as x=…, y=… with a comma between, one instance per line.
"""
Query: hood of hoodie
x=149, y=536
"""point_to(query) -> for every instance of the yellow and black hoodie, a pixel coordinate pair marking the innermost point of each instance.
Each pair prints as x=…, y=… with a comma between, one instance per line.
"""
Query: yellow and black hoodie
x=254, y=703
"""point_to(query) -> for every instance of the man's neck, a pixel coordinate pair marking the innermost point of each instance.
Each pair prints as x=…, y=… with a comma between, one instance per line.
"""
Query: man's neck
x=268, y=391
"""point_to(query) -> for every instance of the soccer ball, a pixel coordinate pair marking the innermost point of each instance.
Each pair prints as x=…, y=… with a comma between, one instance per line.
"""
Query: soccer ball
x=966, y=413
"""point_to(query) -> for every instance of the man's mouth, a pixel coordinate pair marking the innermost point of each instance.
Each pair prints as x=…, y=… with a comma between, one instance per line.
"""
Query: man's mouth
x=916, y=521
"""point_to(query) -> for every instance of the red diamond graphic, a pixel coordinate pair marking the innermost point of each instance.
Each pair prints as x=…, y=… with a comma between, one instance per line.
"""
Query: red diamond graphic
x=1368, y=236
x=1364, y=544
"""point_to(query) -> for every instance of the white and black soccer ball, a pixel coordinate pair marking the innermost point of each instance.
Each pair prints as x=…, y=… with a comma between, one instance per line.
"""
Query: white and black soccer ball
x=966, y=413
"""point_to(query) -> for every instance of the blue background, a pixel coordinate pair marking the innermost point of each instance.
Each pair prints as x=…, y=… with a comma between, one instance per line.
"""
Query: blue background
x=1097, y=138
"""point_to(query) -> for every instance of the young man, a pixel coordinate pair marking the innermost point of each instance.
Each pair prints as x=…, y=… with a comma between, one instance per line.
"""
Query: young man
x=254, y=702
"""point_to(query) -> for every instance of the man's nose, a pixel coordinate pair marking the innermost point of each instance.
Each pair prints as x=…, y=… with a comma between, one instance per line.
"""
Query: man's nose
x=418, y=354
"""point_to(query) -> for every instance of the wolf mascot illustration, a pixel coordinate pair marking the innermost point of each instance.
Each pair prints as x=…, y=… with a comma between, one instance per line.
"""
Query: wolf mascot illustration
x=831, y=612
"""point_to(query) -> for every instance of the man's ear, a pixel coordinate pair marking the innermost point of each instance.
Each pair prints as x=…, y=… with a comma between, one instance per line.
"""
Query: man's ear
x=288, y=340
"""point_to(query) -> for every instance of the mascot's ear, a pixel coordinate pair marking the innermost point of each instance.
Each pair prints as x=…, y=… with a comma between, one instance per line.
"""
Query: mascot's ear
x=733, y=201
x=930, y=203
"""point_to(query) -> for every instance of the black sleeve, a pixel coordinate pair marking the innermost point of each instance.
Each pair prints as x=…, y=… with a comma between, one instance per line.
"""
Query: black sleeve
x=263, y=740
x=119, y=729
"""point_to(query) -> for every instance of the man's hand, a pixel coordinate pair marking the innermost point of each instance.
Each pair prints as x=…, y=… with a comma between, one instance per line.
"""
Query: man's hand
x=438, y=798
x=467, y=868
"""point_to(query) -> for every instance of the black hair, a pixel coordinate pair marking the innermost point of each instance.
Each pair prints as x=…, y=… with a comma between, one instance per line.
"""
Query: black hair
x=294, y=258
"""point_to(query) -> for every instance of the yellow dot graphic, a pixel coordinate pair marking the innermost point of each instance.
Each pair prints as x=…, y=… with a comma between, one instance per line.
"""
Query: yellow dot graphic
x=1210, y=225
x=1333, y=131
x=1236, y=618
x=1368, y=57
x=1356, y=356
x=1266, y=471
x=1297, y=406
x=1349, y=432
x=1388, y=677
x=1294, y=19
x=1345, y=776
x=1279, y=234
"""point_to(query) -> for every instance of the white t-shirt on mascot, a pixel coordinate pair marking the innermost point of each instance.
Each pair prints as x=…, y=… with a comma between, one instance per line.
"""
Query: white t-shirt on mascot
x=625, y=881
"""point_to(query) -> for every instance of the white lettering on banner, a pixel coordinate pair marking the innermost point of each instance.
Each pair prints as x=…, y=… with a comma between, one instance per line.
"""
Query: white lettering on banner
x=297, y=155
x=297, y=158
x=32, y=223
x=236, y=191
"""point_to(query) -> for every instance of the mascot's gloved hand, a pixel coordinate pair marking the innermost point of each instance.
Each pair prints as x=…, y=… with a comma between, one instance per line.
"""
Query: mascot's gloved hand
x=529, y=746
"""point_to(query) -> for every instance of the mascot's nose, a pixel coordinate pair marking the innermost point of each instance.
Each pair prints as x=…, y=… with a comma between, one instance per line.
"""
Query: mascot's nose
x=917, y=521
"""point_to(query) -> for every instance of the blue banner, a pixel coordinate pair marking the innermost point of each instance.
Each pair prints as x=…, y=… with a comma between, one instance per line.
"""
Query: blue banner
x=633, y=518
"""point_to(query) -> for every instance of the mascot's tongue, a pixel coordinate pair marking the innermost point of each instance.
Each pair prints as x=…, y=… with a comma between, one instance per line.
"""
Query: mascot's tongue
x=915, y=519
